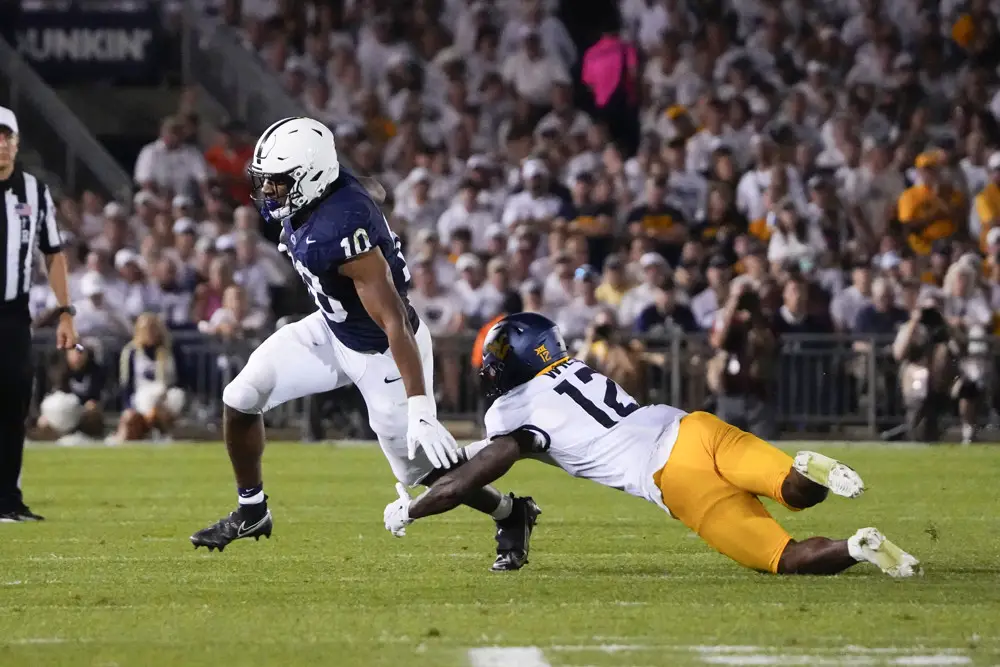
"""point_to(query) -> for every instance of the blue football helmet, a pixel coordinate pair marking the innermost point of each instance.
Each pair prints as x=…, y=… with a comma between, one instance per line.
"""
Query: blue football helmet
x=516, y=349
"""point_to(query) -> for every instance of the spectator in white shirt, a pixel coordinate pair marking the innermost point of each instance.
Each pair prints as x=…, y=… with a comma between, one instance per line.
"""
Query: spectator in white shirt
x=274, y=262
x=687, y=190
x=112, y=285
x=183, y=252
x=974, y=165
x=531, y=298
x=95, y=314
x=659, y=17
x=534, y=204
x=168, y=298
x=531, y=72
x=138, y=297
x=414, y=204
x=250, y=273
x=574, y=318
x=965, y=305
x=846, y=305
x=522, y=254
x=654, y=271
x=428, y=245
x=467, y=212
x=436, y=305
x=496, y=241
x=169, y=167
x=470, y=280
x=145, y=207
x=557, y=290
x=711, y=136
x=115, y=233
x=569, y=120
x=793, y=237
x=376, y=52
x=555, y=39
x=706, y=304
x=752, y=191
x=494, y=293
x=91, y=214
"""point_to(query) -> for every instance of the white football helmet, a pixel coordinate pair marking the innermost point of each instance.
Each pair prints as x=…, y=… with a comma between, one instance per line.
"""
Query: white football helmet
x=298, y=153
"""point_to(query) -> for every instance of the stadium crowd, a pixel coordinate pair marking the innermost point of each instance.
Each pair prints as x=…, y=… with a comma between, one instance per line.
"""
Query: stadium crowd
x=737, y=170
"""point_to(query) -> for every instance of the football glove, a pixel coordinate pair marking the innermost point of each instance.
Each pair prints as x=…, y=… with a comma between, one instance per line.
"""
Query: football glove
x=397, y=513
x=283, y=242
x=427, y=433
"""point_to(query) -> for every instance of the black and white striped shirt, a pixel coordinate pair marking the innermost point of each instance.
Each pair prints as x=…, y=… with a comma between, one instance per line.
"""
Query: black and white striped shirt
x=27, y=225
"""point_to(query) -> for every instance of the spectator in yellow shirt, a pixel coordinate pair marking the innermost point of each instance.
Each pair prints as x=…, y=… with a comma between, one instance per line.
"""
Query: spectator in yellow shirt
x=929, y=209
x=614, y=282
x=985, y=212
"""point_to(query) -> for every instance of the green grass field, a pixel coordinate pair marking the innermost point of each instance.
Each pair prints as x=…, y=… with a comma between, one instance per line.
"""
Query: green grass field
x=111, y=579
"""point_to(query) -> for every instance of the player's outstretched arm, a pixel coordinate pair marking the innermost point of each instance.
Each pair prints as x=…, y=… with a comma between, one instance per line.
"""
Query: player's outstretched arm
x=373, y=283
x=486, y=467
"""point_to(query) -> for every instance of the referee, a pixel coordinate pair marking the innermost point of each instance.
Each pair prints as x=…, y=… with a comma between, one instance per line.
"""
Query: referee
x=27, y=224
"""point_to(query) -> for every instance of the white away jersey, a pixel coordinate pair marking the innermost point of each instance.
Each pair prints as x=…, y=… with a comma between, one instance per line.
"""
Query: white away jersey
x=590, y=427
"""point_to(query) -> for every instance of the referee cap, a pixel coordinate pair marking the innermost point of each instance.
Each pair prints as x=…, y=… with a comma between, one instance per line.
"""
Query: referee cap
x=8, y=119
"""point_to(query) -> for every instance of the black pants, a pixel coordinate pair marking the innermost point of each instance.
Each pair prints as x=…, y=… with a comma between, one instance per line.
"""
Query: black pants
x=15, y=399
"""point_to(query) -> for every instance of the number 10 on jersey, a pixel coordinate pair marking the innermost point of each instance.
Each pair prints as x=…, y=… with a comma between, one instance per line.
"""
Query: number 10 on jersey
x=360, y=243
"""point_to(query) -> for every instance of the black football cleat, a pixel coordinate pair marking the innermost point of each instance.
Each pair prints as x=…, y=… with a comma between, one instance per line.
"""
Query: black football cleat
x=25, y=514
x=20, y=515
x=233, y=527
x=514, y=534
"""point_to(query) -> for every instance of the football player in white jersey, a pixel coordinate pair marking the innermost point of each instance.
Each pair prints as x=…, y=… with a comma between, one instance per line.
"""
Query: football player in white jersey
x=702, y=471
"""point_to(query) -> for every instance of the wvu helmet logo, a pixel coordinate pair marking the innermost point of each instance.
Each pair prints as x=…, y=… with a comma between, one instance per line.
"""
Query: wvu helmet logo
x=543, y=353
x=499, y=347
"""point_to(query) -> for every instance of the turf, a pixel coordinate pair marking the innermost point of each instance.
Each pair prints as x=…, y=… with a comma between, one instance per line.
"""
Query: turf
x=111, y=579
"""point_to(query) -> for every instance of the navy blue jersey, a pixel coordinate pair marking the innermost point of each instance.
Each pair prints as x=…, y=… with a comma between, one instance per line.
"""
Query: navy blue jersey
x=344, y=224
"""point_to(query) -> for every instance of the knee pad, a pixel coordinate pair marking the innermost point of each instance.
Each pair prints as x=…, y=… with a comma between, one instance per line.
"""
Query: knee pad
x=242, y=396
x=250, y=391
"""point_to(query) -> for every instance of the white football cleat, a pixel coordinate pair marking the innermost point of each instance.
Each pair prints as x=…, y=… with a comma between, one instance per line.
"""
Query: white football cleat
x=869, y=545
x=831, y=473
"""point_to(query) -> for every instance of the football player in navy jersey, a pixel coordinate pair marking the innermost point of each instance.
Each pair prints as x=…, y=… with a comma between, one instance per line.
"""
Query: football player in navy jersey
x=364, y=331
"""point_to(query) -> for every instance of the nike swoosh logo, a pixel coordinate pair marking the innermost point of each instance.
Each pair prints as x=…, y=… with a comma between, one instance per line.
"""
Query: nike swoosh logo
x=243, y=530
x=310, y=241
x=388, y=381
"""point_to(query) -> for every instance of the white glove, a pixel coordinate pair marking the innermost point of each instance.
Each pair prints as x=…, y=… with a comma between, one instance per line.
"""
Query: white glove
x=397, y=513
x=283, y=242
x=426, y=432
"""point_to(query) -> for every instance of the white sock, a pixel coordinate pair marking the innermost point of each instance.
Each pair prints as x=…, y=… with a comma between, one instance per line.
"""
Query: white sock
x=504, y=509
x=255, y=499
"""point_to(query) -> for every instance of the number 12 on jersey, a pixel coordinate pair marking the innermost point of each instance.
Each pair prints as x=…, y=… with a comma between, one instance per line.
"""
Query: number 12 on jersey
x=610, y=400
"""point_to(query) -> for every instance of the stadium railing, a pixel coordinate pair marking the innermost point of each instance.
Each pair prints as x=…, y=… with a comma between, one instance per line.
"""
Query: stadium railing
x=824, y=385
x=65, y=145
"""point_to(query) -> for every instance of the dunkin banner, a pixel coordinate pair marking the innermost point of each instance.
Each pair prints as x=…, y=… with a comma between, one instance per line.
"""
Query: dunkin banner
x=81, y=44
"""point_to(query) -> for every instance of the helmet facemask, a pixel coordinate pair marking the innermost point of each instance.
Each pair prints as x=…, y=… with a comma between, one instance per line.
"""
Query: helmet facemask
x=276, y=196
x=490, y=378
